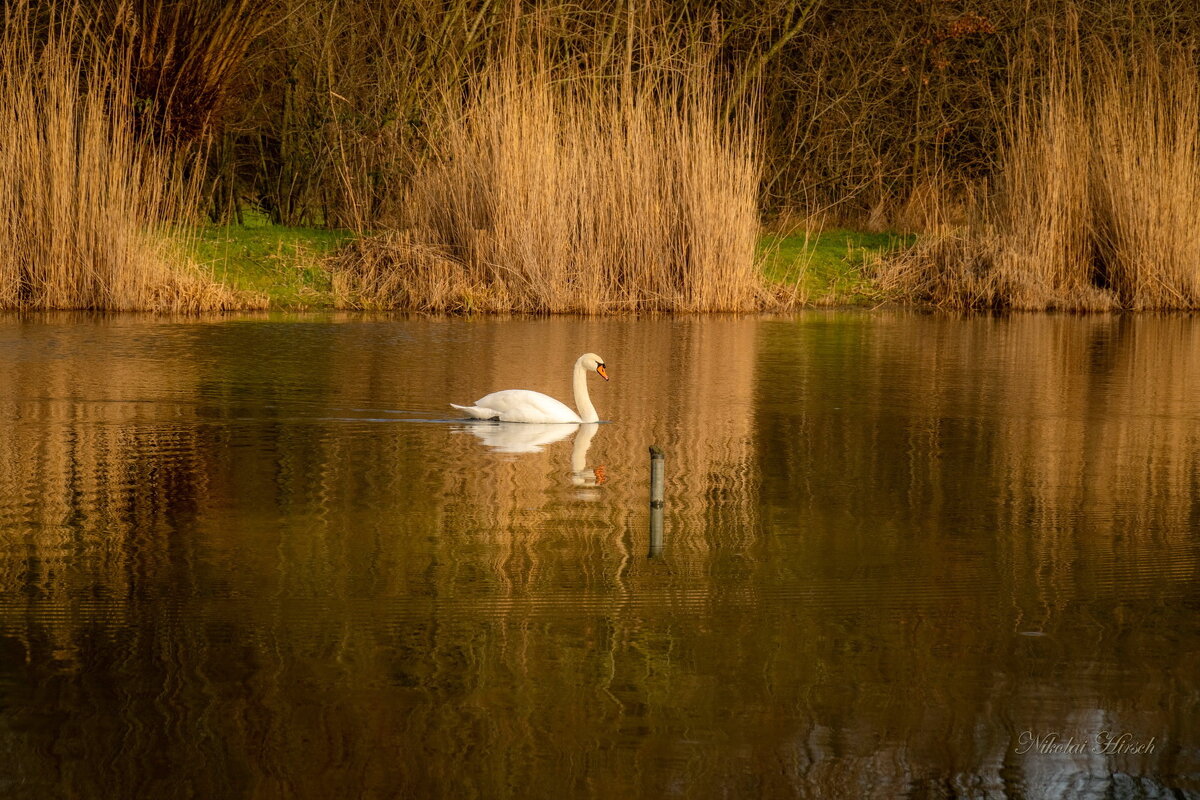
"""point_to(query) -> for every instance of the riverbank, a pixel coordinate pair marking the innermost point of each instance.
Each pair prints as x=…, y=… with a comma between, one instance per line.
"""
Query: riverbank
x=581, y=160
x=287, y=268
x=275, y=266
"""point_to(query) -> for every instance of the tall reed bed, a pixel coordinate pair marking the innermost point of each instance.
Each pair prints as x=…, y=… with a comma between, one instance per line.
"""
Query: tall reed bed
x=1096, y=196
x=82, y=198
x=561, y=191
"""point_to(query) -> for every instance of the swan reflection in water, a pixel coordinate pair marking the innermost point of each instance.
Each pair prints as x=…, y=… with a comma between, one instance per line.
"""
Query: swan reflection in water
x=580, y=474
x=525, y=437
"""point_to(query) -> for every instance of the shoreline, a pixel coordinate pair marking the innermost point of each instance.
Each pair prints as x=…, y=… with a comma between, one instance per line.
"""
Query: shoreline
x=279, y=268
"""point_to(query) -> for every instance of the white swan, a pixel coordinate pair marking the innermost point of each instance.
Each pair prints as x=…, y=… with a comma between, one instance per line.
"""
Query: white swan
x=522, y=405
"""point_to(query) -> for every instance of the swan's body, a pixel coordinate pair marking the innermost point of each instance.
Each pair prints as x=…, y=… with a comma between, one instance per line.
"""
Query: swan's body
x=522, y=405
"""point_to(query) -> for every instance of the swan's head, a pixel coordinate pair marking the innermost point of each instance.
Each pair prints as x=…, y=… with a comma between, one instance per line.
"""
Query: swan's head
x=594, y=363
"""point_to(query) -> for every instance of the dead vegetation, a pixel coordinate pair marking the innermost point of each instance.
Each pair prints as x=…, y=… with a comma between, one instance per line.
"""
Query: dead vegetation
x=555, y=191
x=84, y=200
x=1094, y=203
x=583, y=157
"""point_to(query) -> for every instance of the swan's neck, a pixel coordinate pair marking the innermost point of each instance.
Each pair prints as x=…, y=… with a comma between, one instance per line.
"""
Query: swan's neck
x=583, y=403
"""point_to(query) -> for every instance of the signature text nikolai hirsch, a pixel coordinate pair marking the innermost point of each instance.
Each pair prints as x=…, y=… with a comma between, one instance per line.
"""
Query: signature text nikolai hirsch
x=1106, y=743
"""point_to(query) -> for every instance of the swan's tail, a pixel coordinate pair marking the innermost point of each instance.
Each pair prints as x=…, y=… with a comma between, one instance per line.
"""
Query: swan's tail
x=477, y=412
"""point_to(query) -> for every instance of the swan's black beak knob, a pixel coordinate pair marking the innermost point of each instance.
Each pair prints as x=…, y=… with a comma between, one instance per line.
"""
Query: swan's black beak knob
x=602, y=371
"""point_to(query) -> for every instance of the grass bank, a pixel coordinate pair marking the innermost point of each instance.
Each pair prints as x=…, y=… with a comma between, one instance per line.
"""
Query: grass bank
x=275, y=266
x=288, y=268
x=831, y=267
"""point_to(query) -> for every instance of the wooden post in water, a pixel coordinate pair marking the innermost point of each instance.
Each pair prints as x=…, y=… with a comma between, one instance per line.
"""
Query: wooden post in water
x=657, y=492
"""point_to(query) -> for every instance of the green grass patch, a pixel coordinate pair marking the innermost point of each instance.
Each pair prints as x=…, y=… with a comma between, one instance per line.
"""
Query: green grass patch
x=284, y=264
x=828, y=267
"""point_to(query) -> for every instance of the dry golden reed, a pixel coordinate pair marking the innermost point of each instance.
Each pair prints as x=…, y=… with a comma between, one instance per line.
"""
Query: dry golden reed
x=1096, y=199
x=1146, y=179
x=80, y=198
x=559, y=192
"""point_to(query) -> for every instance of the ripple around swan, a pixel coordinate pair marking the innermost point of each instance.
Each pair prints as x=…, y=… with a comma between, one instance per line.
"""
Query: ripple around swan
x=260, y=553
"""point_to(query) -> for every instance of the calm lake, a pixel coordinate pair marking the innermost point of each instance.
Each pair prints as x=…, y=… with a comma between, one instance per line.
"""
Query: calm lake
x=902, y=556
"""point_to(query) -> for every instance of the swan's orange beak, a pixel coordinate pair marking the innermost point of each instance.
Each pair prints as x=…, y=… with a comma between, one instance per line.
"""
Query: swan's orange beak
x=602, y=372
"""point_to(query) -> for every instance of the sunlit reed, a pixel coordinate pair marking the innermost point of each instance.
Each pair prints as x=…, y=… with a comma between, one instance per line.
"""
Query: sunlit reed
x=1096, y=197
x=83, y=200
x=569, y=192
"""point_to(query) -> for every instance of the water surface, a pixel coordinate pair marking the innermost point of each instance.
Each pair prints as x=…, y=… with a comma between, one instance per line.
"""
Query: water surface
x=903, y=556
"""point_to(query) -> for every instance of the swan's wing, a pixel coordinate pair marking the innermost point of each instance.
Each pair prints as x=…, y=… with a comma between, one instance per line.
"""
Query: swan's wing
x=522, y=405
x=475, y=412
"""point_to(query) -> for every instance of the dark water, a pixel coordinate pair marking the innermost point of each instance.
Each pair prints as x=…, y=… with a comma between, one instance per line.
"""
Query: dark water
x=904, y=556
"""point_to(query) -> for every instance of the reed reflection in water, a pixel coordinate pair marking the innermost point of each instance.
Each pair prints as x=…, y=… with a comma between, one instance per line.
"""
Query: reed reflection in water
x=244, y=558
